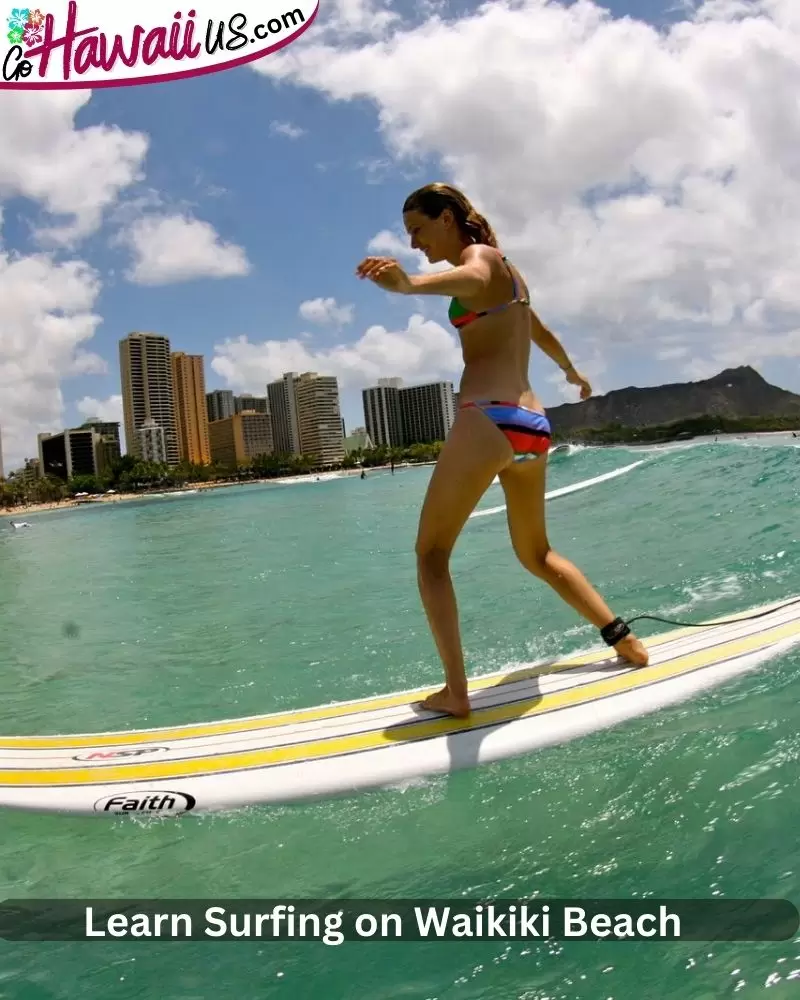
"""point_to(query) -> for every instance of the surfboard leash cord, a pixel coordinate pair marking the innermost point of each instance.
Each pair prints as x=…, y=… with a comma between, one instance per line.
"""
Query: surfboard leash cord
x=614, y=628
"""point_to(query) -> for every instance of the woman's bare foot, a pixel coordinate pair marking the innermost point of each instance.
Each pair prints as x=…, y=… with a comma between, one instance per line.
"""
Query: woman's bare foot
x=631, y=649
x=444, y=701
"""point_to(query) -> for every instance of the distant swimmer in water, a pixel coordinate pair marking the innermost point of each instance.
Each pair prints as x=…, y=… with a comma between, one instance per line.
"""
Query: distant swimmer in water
x=500, y=429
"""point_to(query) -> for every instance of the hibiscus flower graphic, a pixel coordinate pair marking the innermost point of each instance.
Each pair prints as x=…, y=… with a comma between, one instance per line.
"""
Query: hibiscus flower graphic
x=15, y=36
x=33, y=34
x=18, y=20
x=35, y=18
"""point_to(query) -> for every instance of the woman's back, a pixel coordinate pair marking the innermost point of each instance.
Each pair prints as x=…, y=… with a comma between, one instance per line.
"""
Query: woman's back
x=496, y=343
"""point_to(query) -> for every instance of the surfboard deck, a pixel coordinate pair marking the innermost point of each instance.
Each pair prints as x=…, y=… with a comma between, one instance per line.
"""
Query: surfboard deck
x=350, y=746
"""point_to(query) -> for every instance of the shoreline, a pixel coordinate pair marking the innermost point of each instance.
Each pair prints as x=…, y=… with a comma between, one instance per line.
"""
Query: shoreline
x=63, y=505
x=22, y=511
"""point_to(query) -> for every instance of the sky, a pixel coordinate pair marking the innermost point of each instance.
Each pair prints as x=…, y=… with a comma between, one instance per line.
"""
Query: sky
x=640, y=163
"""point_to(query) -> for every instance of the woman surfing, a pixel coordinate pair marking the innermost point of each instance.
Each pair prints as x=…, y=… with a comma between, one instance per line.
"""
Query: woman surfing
x=500, y=429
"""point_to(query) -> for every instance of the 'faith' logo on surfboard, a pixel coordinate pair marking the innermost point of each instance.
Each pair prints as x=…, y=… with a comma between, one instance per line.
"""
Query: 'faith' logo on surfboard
x=146, y=802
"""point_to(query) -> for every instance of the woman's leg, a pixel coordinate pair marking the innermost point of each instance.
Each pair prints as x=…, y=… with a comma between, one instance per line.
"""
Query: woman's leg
x=474, y=453
x=524, y=487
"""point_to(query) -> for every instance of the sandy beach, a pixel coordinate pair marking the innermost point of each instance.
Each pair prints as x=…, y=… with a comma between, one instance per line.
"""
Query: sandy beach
x=22, y=511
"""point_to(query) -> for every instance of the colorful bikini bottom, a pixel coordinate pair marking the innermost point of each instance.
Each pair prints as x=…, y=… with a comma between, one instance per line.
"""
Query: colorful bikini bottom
x=528, y=431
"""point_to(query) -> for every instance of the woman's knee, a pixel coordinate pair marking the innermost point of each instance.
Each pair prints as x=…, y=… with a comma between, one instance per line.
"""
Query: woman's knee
x=534, y=558
x=433, y=559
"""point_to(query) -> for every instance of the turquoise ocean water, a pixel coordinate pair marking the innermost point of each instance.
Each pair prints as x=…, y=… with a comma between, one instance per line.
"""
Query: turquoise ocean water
x=263, y=597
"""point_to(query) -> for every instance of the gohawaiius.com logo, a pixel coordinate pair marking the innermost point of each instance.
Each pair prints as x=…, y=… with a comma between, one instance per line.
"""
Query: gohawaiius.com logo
x=93, y=43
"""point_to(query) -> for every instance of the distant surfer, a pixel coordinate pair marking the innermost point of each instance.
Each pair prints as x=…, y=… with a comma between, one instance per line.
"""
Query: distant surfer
x=499, y=423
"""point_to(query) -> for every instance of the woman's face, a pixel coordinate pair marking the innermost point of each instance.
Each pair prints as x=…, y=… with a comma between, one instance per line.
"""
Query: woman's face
x=434, y=237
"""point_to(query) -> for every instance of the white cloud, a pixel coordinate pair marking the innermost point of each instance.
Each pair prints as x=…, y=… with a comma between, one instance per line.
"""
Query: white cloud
x=47, y=315
x=174, y=248
x=592, y=368
x=75, y=176
x=326, y=311
x=87, y=363
x=72, y=173
x=388, y=244
x=672, y=353
x=646, y=180
x=109, y=409
x=375, y=168
x=740, y=348
x=698, y=369
x=355, y=19
x=423, y=351
x=286, y=129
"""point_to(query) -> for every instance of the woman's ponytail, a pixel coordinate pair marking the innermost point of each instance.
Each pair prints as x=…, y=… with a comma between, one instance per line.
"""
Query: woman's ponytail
x=433, y=199
x=479, y=229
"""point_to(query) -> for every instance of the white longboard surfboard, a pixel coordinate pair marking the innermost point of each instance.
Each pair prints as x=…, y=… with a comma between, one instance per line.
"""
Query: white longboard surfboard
x=350, y=746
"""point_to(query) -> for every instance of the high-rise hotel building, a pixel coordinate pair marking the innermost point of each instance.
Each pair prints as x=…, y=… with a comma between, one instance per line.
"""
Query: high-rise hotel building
x=427, y=412
x=397, y=415
x=306, y=416
x=321, y=432
x=147, y=392
x=382, y=412
x=220, y=404
x=191, y=414
x=282, y=397
x=241, y=438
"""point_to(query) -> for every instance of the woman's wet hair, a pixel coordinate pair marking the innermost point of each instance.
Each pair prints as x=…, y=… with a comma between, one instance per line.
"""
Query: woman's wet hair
x=433, y=199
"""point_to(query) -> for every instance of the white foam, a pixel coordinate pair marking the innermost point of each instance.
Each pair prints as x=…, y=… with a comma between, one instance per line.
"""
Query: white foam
x=564, y=490
x=322, y=477
x=706, y=591
x=765, y=439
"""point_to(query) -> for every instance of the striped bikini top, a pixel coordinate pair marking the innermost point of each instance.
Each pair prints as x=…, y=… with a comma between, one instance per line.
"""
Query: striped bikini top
x=460, y=316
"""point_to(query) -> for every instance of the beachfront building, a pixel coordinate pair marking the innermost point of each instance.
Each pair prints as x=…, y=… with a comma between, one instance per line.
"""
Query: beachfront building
x=31, y=470
x=382, y=412
x=250, y=404
x=109, y=447
x=282, y=398
x=220, y=404
x=359, y=440
x=237, y=440
x=151, y=442
x=397, y=415
x=27, y=473
x=191, y=414
x=148, y=393
x=427, y=412
x=320, y=419
x=78, y=451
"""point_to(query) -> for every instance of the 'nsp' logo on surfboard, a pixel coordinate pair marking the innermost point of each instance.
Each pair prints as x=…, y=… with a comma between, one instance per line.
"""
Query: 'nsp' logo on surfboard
x=92, y=43
x=146, y=802
x=117, y=754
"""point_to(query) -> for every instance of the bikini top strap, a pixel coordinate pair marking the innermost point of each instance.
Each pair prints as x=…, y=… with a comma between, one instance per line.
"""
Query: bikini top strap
x=515, y=284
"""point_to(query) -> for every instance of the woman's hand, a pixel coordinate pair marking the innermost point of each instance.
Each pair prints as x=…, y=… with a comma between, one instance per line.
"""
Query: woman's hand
x=386, y=273
x=575, y=378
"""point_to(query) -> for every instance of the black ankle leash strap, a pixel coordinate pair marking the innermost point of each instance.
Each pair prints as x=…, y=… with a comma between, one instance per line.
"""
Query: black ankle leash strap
x=614, y=631
x=618, y=629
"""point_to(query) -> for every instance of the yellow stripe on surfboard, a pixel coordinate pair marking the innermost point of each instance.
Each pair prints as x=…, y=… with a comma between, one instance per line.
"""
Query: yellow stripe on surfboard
x=294, y=716
x=319, y=749
x=336, y=710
